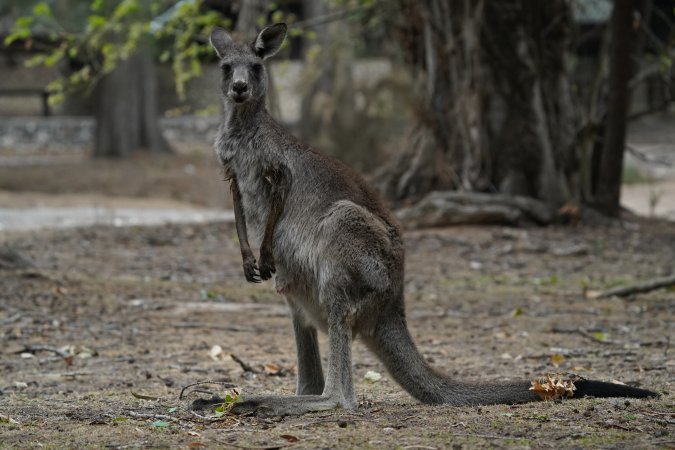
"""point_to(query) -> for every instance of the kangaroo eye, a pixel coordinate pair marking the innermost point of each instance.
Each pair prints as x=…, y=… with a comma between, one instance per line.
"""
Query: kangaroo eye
x=257, y=68
x=226, y=68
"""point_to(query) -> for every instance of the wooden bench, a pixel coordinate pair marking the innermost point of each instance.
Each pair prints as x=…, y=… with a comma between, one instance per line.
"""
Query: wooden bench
x=28, y=92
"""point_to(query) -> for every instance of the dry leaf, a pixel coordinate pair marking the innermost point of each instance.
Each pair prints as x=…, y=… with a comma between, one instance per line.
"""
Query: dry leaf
x=290, y=438
x=554, y=387
x=272, y=368
x=591, y=294
x=557, y=359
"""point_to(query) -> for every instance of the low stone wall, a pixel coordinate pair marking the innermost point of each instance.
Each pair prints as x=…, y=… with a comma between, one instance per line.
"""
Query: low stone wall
x=74, y=135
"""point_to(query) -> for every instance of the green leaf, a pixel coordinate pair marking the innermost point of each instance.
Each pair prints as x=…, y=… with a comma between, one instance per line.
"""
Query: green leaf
x=35, y=61
x=52, y=59
x=160, y=424
x=96, y=5
x=125, y=8
x=174, y=409
x=42, y=10
x=120, y=419
x=95, y=21
x=24, y=21
x=55, y=99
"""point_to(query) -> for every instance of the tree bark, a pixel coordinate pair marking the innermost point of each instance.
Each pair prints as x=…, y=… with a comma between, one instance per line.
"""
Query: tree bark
x=526, y=43
x=126, y=110
x=623, y=39
x=496, y=114
x=447, y=146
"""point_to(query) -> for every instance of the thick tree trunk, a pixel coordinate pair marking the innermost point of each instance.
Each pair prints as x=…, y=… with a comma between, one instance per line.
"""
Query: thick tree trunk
x=496, y=114
x=623, y=38
x=447, y=147
x=526, y=45
x=127, y=110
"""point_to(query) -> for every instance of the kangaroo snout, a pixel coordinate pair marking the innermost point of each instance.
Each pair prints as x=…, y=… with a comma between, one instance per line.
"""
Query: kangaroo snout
x=239, y=91
x=239, y=87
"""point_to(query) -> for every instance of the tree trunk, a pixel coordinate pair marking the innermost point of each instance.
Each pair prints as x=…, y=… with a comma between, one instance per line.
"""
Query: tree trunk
x=623, y=38
x=447, y=145
x=497, y=112
x=533, y=150
x=127, y=110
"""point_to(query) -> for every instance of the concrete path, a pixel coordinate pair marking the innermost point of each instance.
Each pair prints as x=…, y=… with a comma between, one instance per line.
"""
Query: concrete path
x=26, y=211
x=21, y=219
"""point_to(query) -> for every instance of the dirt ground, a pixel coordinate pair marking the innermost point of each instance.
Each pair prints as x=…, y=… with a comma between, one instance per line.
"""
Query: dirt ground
x=136, y=312
x=192, y=177
x=101, y=327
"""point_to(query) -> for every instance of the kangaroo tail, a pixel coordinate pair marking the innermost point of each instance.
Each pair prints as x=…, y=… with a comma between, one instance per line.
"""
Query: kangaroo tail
x=392, y=343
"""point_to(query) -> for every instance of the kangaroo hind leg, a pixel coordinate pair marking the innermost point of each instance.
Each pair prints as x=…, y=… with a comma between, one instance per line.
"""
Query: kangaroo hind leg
x=338, y=390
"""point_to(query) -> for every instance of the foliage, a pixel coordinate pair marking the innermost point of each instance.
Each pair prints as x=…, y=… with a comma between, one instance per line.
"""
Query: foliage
x=229, y=401
x=109, y=32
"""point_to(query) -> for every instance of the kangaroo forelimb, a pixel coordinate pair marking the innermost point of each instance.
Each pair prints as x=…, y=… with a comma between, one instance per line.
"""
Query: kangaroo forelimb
x=250, y=267
x=279, y=181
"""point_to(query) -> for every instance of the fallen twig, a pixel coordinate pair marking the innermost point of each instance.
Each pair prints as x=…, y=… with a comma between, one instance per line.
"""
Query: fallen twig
x=243, y=364
x=199, y=383
x=636, y=288
x=206, y=418
x=487, y=436
x=262, y=447
x=586, y=334
x=11, y=319
x=215, y=326
x=43, y=348
x=152, y=416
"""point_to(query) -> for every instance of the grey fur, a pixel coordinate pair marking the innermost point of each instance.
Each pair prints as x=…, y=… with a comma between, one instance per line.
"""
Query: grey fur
x=336, y=250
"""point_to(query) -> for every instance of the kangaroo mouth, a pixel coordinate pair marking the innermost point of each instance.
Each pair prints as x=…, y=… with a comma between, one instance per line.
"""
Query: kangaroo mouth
x=239, y=98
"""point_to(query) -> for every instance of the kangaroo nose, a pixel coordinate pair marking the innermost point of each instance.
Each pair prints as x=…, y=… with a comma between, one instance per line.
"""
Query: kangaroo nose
x=239, y=87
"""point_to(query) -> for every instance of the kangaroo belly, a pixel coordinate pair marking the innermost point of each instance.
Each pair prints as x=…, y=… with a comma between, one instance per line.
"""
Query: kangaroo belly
x=347, y=248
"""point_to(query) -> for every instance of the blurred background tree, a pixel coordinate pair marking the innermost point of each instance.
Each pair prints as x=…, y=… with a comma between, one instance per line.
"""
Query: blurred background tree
x=110, y=49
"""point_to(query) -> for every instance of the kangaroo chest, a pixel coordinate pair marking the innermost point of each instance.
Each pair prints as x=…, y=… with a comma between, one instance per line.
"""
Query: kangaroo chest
x=242, y=158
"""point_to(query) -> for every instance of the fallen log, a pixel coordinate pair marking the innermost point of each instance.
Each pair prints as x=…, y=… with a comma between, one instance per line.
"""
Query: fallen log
x=443, y=208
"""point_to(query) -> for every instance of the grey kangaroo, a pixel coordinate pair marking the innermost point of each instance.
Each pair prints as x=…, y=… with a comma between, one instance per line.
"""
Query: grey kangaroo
x=335, y=249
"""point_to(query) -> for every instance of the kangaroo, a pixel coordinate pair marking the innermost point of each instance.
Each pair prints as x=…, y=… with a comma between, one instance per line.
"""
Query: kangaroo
x=336, y=252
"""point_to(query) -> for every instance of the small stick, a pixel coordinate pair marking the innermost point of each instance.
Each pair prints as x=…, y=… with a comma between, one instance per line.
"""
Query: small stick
x=637, y=288
x=151, y=416
x=44, y=348
x=243, y=365
x=221, y=383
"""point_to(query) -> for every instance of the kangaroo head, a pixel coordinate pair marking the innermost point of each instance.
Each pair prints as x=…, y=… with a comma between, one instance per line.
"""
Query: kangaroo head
x=243, y=74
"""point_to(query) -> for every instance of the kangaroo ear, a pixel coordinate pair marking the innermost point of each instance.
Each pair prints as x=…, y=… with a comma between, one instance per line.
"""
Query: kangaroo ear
x=220, y=40
x=269, y=40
